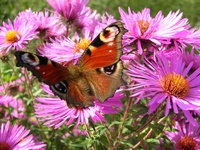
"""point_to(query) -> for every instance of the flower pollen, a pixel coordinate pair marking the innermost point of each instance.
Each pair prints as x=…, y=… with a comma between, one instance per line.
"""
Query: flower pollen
x=175, y=84
x=83, y=44
x=143, y=25
x=12, y=36
x=5, y=146
x=186, y=143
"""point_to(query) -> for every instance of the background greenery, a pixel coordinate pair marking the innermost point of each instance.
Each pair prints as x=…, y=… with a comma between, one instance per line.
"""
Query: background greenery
x=190, y=8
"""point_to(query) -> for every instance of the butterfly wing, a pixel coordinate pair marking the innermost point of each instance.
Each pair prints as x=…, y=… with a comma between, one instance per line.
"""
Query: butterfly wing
x=101, y=61
x=105, y=81
x=44, y=69
x=74, y=90
x=105, y=49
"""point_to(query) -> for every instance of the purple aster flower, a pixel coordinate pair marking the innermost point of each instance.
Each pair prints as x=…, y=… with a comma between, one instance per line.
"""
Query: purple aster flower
x=145, y=31
x=167, y=79
x=186, y=136
x=170, y=51
x=69, y=9
x=13, y=87
x=14, y=107
x=76, y=132
x=64, y=49
x=107, y=19
x=18, y=138
x=4, y=100
x=141, y=28
x=17, y=34
x=26, y=15
x=191, y=56
x=102, y=24
x=17, y=106
x=88, y=21
x=60, y=50
x=49, y=25
x=55, y=112
x=177, y=29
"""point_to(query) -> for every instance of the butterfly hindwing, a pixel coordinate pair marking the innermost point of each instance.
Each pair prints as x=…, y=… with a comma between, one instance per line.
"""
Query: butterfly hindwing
x=105, y=81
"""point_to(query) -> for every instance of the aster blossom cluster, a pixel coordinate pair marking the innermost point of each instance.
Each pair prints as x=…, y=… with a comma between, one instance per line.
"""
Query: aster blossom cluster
x=185, y=136
x=165, y=74
x=161, y=75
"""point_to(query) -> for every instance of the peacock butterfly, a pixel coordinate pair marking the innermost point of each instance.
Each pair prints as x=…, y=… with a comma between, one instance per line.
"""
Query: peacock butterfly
x=98, y=72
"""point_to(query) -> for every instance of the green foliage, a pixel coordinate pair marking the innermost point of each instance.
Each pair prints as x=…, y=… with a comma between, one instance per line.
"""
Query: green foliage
x=9, y=8
x=188, y=7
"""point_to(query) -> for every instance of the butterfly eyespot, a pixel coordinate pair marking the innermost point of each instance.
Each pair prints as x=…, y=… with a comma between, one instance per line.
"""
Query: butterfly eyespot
x=29, y=59
x=110, y=69
x=61, y=87
x=106, y=32
x=88, y=52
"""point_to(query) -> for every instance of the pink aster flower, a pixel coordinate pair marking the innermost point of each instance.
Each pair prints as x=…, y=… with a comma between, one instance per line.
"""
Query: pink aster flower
x=107, y=19
x=49, y=25
x=60, y=50
x=141, y=28
x=18, y=138
x=15, y=107
x=185, y=137
x=169, y=80
x=26, y=15
x=145, y=31
x=64, y=49
x=69, y=9
x=4, y=100
x=76, y=132
x=103, y=22
x=55, y=112
x=88, y=21
x=13, y=87
x=17, y=34
x=178, y=30
x=191, y=57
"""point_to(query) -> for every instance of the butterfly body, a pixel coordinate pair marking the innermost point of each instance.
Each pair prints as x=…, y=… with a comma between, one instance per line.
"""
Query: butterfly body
x=97, y=74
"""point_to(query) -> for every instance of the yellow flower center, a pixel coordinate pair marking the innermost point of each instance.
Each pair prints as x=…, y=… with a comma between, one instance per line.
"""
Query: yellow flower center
x=83, y=44
x=12, y=36
x=175, y=84
x=5, y=146
x=143, y=25
x=186, y=143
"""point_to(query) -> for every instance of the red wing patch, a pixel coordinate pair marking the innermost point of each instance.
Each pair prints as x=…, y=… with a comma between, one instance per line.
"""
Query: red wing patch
x=45, y=70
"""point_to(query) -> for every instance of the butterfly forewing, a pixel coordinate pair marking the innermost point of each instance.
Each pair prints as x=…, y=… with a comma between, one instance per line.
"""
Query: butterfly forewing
x=44, y=69
x=105, y=49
